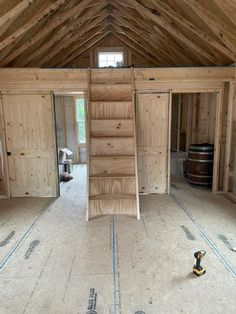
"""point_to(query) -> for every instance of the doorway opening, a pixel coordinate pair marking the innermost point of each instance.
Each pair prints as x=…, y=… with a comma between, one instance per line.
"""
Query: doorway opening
x=193, y=122
x=71, y=125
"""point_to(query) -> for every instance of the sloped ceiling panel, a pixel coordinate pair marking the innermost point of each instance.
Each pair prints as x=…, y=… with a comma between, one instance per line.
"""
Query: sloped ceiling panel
x=54, y=33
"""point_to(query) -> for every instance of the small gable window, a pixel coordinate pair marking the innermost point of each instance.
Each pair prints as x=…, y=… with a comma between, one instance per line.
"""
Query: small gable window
x=110, y=59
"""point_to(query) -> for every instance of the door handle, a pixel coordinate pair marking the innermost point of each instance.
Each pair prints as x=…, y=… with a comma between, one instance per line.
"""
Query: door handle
x=8, y=153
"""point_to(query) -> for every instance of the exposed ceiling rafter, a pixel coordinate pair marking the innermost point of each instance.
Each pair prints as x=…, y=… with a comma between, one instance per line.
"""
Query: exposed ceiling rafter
x=58, y=32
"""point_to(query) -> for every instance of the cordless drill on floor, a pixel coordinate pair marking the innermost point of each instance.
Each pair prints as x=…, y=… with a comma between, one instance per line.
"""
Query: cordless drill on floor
x=198, y=269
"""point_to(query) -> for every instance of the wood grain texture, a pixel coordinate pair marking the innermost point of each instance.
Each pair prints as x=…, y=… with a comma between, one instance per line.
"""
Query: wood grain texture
x=111, y=92
x=112, y=170
x=30, y=139
x=111, y=110
x=114, y=165
x=112, y=127
x=111, y=146
x=152, y=141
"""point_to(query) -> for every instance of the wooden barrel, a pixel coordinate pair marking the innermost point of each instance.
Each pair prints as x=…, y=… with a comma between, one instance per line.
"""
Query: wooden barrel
x=200, y=164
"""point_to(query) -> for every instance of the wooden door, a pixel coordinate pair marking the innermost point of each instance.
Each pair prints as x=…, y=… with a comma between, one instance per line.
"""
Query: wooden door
x=31, y=147
x=153, y=142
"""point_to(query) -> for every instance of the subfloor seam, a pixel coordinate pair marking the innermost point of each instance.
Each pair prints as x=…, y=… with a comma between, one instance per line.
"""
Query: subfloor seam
x=226, y=263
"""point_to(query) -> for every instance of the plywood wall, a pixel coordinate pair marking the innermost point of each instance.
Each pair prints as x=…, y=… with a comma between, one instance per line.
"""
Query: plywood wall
x=198, y=110
x=175, y=122
x=152, y=142
x=30, y=143
x=198, y=115
x=233, y=146
x=2, y=185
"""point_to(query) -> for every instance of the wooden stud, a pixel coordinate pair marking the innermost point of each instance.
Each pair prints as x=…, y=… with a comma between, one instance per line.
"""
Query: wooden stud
x=169, y=142
x=228, y=144
x=216, y=163
x=88, y=99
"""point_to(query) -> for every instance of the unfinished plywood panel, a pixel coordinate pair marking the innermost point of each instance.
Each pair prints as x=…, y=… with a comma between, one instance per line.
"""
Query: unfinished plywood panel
x=230, y=151
x=197, y=119
x=105, y=166
x=112, y=146
x=152, y=120
x=234, y=174
x=115, y=75
x=4, y=187
x=30, y=139
x=175, y=122
x=112, y=159
x=111, y=92
x=111, y=110
x=112, y=127
x=112, y=186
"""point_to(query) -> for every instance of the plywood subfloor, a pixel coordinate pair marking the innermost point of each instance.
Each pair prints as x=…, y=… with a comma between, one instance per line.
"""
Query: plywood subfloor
x=129, y=267
x=17, y=217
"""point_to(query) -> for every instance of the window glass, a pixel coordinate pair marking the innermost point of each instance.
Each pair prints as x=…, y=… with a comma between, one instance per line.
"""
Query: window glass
x=81, y=133
x=110, y=59
x=80, y=112
x=80, y=121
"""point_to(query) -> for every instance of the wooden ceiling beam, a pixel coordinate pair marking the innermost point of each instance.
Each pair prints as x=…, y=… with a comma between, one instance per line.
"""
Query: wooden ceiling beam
x=62, y=53
x=150, y=55
x=135, y=24
x=217, y=26
x=229, y=9
x=174, y=48
x=9, y=17
x=129, y=44
x=32, y=22
x=159, y=20
x=49, y=27
x=130, y=32
x=164, y=7
x=63, y=35
x=168, y=42
x=14, y=12
x=156, y=35
x=84, y=48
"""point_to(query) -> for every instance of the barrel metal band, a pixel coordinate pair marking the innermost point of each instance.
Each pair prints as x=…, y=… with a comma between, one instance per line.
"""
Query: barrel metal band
x=199, y=183
x=197, y=176
x=200, y=160
x=200, y=153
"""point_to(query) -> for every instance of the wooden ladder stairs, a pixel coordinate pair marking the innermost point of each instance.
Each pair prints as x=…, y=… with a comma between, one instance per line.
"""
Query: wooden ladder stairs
x=112, y=154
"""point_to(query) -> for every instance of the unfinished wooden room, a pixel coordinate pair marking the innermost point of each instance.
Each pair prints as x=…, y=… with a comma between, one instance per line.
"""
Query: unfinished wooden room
x=117, y=156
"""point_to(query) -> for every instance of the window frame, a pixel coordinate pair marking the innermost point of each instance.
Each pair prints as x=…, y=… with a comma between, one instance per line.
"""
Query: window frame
x=111, y=50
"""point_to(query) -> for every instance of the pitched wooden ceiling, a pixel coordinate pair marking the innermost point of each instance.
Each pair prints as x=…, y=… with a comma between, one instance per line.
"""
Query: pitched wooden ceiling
x=54, y=33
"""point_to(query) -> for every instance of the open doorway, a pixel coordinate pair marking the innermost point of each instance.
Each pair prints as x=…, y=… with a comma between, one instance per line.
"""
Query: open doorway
x=193, y=122
x=70, y=115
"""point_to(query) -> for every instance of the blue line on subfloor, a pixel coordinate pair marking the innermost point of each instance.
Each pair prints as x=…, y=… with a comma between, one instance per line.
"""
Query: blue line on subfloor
x=228, y=266
x=20, y=242
x=115, y=270
x=114, y=263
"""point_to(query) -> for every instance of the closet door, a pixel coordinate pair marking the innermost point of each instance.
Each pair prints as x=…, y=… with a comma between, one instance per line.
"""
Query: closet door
x=31, y=146
x=152, y=142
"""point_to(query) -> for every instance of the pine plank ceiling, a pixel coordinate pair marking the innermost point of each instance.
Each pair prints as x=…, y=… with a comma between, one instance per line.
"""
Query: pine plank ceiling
x=54, y=33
